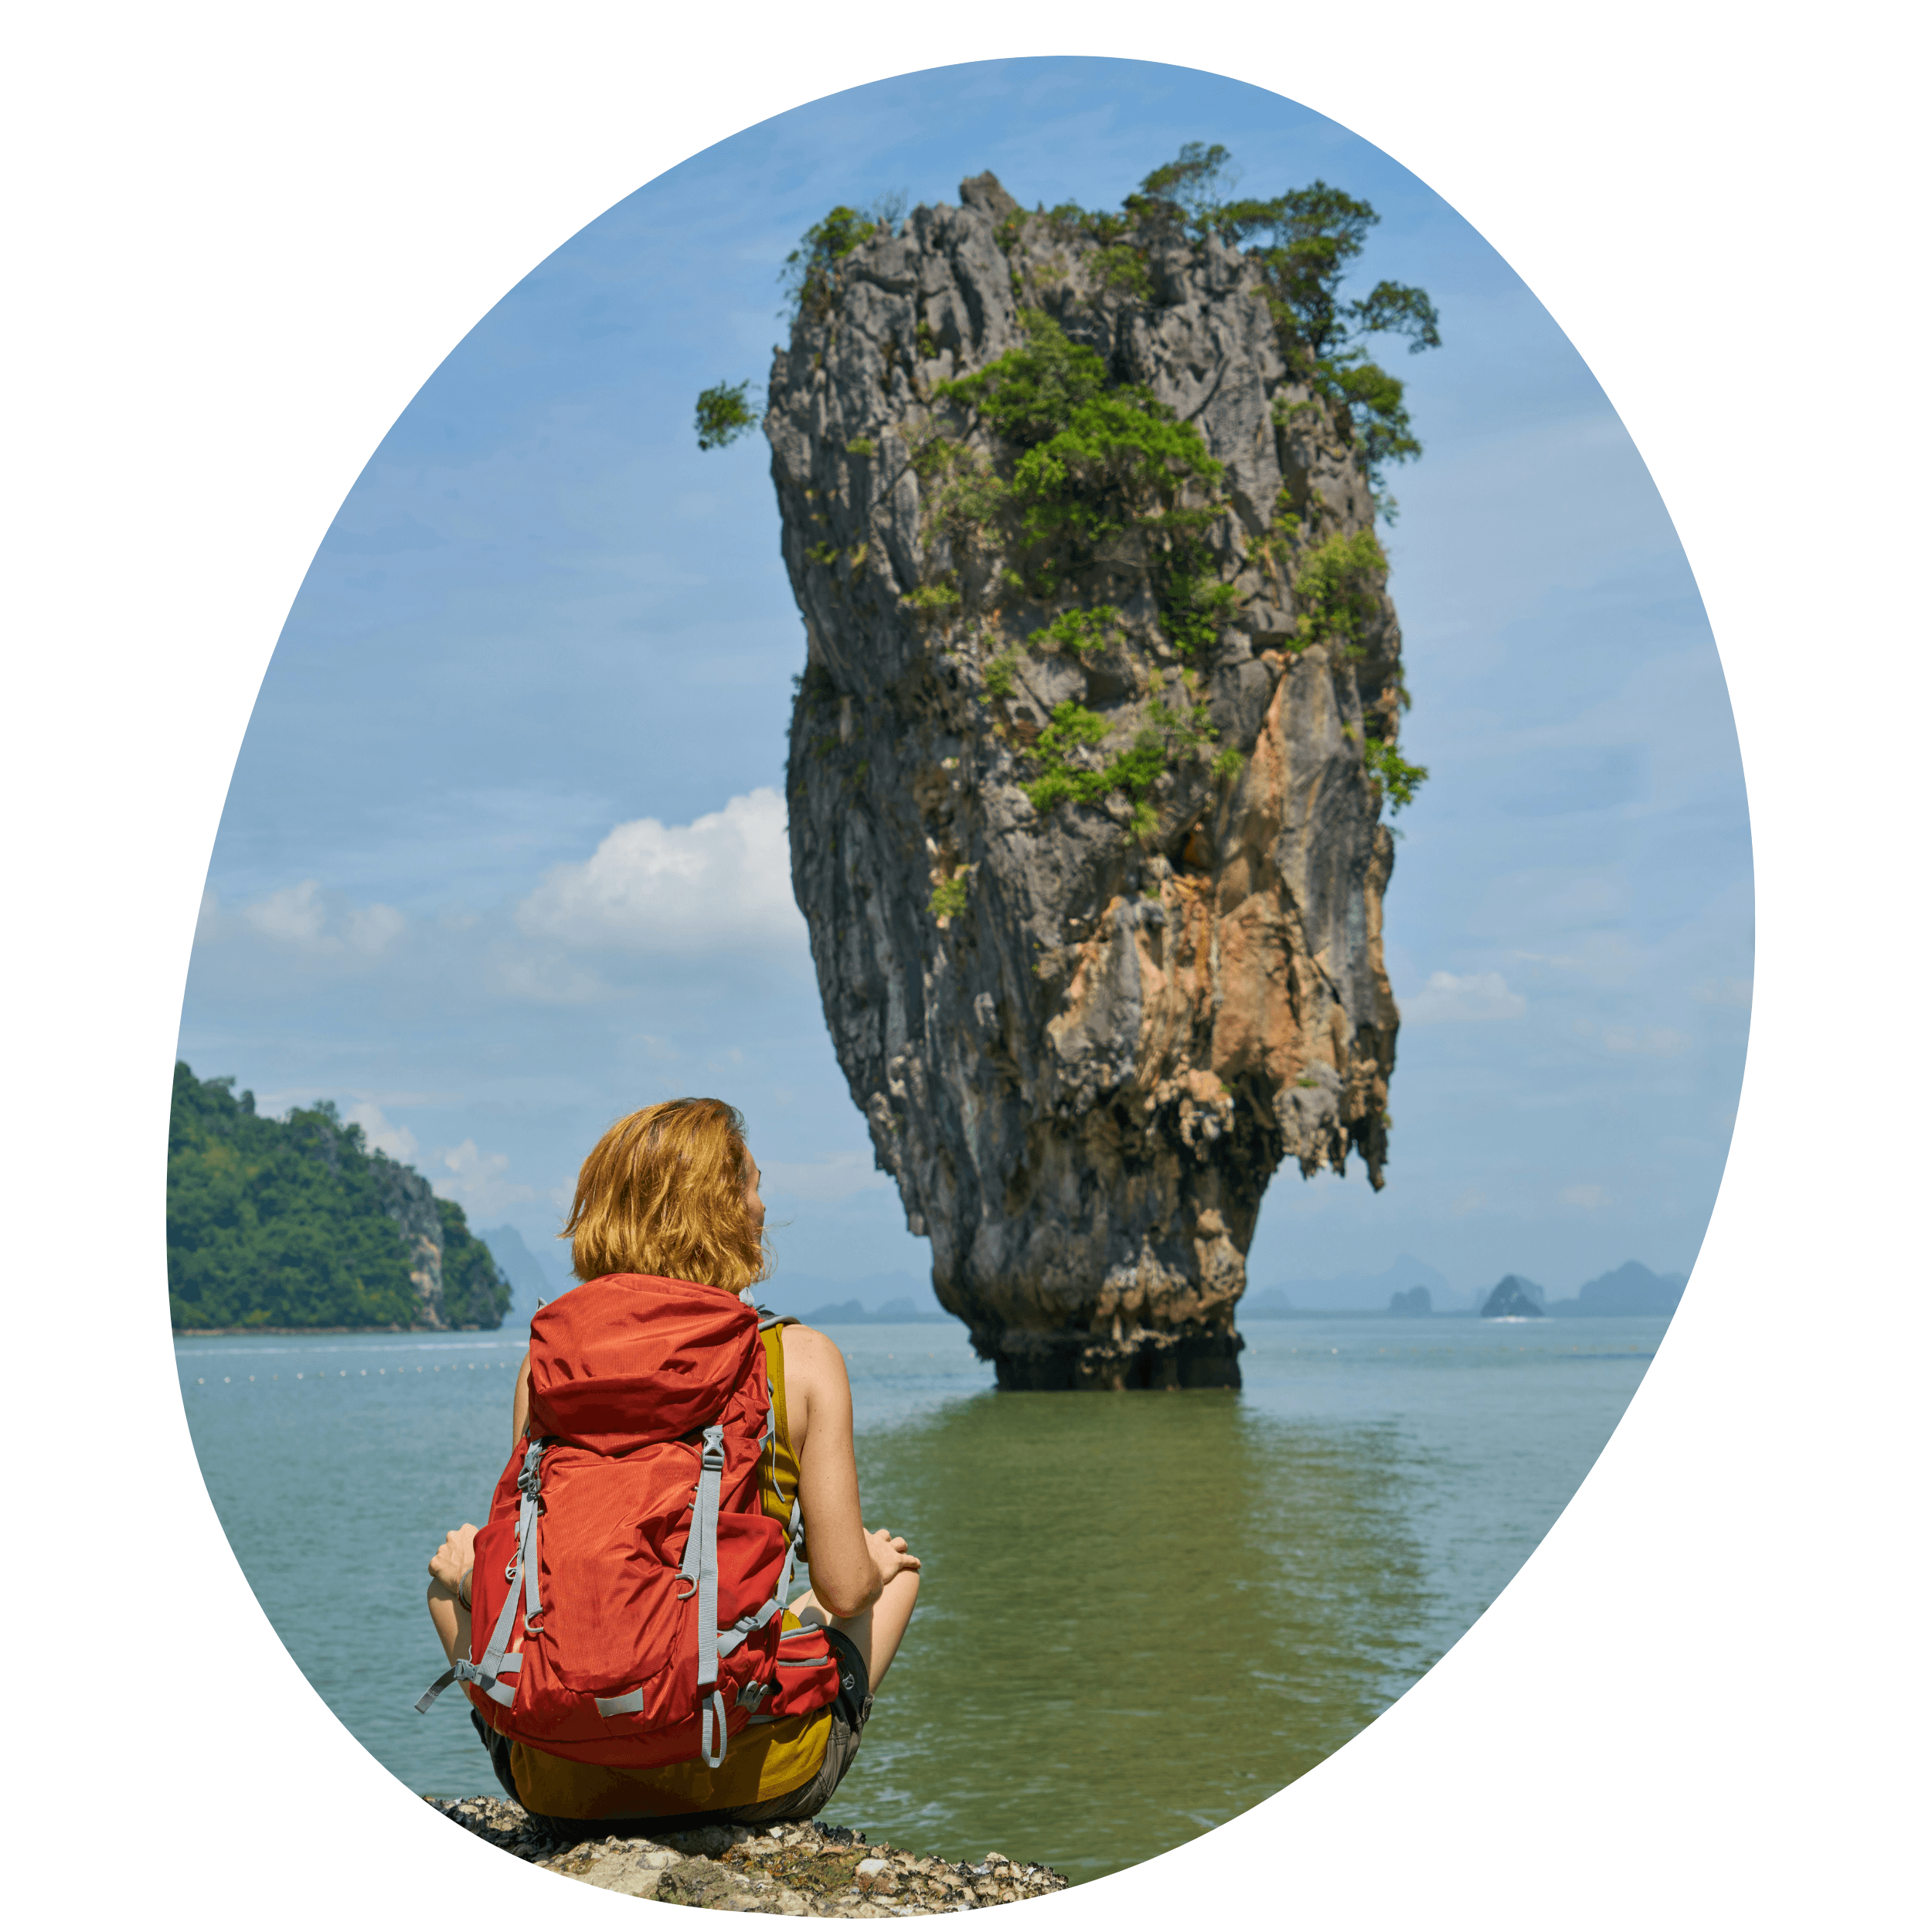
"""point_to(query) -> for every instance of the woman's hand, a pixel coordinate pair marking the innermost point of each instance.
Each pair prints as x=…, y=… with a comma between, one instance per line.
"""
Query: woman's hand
x=450, y=1567
x=889, y=1555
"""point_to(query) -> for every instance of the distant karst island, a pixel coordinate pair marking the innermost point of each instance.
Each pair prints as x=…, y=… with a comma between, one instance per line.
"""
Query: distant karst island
x=298, y=1223
x=1513, y=1299
x=1631, y=1289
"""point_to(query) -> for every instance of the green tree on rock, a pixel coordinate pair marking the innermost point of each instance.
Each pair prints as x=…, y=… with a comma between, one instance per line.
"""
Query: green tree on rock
x=1305, y=242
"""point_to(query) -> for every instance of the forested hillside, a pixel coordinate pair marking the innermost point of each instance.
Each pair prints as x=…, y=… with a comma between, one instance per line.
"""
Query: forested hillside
x=297, y=1223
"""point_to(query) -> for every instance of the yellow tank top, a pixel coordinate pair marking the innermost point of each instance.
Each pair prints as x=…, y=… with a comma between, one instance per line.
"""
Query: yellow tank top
x=765, y=1760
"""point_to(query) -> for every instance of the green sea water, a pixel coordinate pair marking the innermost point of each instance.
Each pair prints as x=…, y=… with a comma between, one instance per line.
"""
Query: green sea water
x=1140, y=1612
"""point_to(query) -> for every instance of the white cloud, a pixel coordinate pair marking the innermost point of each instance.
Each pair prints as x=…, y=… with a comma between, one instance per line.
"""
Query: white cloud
x=546, y=976
x=1607, y=957
x=723, y=879
x=397, y=1142
x=1722, y=992
x=1589, y=1195
x=370, y=929
x=830, y=1178
x=1647, y=1042
x=1653, y=1042
x=478, y=1183
x=306, y=919
x=1471, y=1201
x=293, y=916
x=1463, y=996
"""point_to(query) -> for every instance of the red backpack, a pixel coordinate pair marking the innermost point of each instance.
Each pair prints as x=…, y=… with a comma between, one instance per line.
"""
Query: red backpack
x=629, y=1587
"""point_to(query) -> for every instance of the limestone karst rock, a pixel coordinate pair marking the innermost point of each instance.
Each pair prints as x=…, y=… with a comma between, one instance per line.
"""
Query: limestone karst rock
x=1513, y=1299
x=1086, y=1022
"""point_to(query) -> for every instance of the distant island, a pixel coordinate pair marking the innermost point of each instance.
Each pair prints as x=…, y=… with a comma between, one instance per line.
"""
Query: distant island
x=905, y=1309
x=1354, y=1294
x=531, y=1282
x=298, y=1223
x=1513, y=1299
x=1630, y=1290
x=1412, y=1288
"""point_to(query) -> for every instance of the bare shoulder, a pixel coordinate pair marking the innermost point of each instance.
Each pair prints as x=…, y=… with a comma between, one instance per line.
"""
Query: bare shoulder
x=815, y=1381
x=814, y=1356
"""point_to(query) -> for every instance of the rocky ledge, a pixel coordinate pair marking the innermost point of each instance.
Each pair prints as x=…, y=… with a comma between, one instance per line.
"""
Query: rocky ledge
x=799, y=1871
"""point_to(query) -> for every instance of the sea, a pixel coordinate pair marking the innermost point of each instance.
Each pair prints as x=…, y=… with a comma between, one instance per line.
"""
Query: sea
x=1140, y=1612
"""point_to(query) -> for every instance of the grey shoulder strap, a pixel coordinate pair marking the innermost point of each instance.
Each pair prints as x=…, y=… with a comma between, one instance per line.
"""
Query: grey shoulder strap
x=498, y=1662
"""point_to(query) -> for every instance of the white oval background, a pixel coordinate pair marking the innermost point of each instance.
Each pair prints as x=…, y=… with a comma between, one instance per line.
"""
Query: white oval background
x=255, y=232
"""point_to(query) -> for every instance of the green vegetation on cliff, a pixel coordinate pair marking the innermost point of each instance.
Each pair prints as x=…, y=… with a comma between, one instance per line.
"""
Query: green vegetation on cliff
x=1050, y=478
x=1096, y=456
x=297, y=1223
x=1303, y=241
x=725, y=413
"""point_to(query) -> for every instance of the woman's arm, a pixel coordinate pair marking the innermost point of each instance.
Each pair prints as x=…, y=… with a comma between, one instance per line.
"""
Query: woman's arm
x=520, y=1402
x=849, y=1567
x=449, y=1592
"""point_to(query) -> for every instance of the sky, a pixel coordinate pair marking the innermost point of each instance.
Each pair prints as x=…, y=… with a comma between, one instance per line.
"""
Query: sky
x=503, y=857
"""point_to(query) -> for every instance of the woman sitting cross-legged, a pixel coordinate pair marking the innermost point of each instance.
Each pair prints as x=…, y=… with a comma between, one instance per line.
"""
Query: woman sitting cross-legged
x=640, y=1377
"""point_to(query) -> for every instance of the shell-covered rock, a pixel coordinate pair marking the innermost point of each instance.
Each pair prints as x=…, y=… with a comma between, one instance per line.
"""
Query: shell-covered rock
x=1084, y=1031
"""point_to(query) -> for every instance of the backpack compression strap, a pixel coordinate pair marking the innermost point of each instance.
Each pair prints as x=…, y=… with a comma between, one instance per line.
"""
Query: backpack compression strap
x=497, y=1664
x=701, y=1566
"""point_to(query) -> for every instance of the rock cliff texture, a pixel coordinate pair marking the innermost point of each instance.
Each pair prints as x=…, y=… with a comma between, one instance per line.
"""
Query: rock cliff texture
x=458, y=1283
x=1085, y=807
x=406, y=1200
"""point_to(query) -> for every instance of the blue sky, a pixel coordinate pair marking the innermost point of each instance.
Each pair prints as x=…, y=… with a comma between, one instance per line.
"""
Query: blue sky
x=543, y=616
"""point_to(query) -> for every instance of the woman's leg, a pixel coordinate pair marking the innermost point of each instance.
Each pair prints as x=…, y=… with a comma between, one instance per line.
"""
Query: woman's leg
x=876, y=1631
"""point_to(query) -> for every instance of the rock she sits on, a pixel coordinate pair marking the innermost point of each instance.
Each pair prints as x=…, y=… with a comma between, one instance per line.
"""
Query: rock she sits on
x=1084, y=822
x=793, y=1871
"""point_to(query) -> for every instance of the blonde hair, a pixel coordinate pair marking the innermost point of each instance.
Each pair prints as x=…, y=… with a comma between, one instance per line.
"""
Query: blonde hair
x=663, y=1193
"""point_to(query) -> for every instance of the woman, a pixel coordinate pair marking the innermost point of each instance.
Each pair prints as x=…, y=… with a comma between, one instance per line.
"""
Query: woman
x=672, y=1191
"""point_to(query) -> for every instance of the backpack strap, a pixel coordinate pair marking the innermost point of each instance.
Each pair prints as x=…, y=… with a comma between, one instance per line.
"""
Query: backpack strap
x=498, y=1662
x=773, y=1606
x=768, y=1441
x=700, y=1567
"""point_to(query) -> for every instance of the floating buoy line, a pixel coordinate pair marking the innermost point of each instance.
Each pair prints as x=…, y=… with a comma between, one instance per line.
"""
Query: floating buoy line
x=342, y=1375
x=436, y=1368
